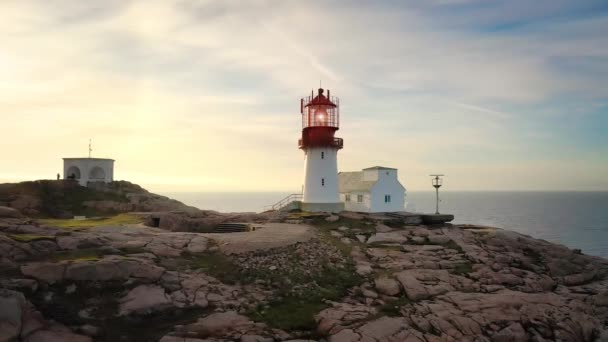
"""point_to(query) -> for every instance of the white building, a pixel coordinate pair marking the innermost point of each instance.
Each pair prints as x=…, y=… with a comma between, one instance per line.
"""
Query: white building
x=375, y=189
x=86, y=170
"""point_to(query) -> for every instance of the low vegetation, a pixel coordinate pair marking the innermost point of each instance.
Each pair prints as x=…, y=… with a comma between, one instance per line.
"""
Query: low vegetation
x=30, y=237
x=118, y=220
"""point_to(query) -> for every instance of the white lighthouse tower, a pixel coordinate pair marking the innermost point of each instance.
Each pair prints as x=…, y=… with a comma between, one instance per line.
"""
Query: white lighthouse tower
x=320, y=121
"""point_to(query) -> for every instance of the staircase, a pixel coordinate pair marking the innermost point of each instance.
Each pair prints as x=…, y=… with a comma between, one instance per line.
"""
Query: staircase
x=288, y=203
x=231, y=228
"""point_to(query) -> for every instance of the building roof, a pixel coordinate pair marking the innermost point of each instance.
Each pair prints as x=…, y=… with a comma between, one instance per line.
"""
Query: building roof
x=379, y=168
x=353, y=181
x=88, y=158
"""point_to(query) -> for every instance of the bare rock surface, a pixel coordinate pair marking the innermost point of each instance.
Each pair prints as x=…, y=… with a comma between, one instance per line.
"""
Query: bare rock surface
x=355, y=277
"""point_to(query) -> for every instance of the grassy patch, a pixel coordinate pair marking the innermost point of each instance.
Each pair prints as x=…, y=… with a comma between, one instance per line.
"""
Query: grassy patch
x=289, y=314
x=30, y=237
x=118, y=220
x=296, y=312
x=85, y=254
x=215, y=264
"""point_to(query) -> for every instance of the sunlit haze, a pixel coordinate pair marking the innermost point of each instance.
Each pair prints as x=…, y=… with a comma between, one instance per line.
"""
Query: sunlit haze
x=204, y=95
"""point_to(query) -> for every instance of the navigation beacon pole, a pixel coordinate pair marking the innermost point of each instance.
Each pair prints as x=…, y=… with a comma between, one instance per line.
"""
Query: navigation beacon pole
x=437, y=182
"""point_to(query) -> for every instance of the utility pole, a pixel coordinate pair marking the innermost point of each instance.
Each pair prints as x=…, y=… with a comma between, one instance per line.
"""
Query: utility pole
x=437, y=182
x=90, y=148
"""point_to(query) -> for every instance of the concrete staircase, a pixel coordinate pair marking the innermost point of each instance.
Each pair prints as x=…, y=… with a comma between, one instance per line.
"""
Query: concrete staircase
x=230, y=227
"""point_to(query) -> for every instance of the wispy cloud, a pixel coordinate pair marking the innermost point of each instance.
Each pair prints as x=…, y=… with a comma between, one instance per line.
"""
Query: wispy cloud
x=206, y=92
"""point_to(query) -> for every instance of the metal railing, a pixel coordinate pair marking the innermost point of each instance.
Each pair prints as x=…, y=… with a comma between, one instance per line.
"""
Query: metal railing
x=280, y=204
x=336, y=142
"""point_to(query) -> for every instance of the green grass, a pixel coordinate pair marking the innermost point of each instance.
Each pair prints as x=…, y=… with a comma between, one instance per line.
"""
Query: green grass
x=30, y=237
x=85, y=254
x=118, y=220
x=296, y=311
x=289, y=314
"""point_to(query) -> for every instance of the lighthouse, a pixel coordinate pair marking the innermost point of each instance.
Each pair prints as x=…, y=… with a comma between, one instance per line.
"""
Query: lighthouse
x=320, y=121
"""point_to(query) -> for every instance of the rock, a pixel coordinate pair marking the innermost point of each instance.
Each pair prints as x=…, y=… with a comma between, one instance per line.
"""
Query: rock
x=345, y=335
x=220, y=323
x=393, y=237
x=387, y=286
x=413, y=288
x=332, y=218
x=381, y=228
x=198, y=244
x=169, y=338
x=369, y=293
x=89, y=330
x=514, y=332
x=346, y=241
x=601, y=299
x=439, y=239
x=112, y=268
x=335, y=234
x=419, y=239
x=10, y=212
x=56, y=336
x=20, y=284
x=363, y=268
x=45, y=271
x=144, y=299
x=343, y=229
x=382, y=327
x=256, y=338
x=11, y=311
x=361, y=238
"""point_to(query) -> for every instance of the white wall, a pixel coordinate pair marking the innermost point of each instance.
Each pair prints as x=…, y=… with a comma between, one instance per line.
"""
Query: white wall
x=321, y=163
x=89, y=168
x=387, y=184
x=354, y=205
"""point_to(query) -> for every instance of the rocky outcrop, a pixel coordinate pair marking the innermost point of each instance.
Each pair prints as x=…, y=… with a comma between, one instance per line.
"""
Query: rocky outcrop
x=404, y=283
x=65, y=198
x=19, y=321
x=9, y=212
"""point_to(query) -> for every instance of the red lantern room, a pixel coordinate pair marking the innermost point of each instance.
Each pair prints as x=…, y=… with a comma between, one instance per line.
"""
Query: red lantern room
x=320, y=120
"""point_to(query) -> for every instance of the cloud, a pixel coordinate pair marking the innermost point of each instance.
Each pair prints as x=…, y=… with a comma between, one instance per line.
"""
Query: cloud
x=206, y=93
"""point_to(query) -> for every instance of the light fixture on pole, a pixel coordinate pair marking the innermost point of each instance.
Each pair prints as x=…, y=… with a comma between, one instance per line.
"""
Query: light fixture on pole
x=437, y=181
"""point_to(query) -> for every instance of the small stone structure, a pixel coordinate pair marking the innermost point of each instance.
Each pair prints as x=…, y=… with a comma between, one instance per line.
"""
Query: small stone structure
x=86, y=170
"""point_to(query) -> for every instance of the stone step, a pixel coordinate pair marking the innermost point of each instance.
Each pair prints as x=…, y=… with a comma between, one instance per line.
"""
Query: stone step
x=231, y=228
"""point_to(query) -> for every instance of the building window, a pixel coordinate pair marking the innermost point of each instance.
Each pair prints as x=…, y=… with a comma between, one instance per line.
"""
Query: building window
x=347, y=198
x=359, y=198
x=322, y=181
x=322, y=155
x=387, y=198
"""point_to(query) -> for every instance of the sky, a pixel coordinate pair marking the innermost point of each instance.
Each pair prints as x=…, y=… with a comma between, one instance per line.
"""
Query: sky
x=204, y=95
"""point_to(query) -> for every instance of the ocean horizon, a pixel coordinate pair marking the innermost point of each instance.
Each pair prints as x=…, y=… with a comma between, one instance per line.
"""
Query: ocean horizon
x=577, y=219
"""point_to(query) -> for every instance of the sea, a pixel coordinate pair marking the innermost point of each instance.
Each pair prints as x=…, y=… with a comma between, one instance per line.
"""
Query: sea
x=575, y=219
